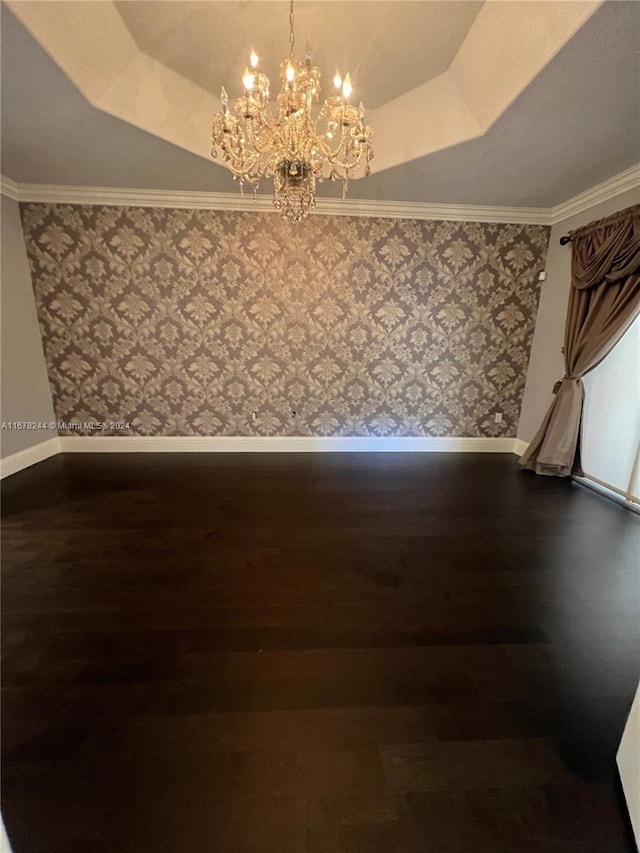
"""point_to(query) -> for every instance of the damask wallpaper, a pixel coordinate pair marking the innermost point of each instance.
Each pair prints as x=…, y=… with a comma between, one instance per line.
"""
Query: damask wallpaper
x=183, y=322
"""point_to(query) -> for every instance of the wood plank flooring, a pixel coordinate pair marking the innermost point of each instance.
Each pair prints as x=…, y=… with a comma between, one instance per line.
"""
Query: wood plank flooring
x=314, y=654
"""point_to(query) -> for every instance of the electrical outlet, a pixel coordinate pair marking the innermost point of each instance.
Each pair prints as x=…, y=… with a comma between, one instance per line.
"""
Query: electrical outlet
x=498, y=417
x=294, y=414
x=254, y=416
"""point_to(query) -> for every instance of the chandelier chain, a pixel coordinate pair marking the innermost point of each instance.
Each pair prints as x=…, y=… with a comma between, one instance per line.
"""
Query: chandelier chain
x=292, y=35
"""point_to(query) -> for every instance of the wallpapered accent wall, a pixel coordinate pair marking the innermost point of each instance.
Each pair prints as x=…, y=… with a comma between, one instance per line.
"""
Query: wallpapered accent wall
x=186, y=322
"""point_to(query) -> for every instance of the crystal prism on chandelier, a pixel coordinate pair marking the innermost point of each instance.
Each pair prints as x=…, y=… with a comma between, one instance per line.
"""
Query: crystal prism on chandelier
x=296, y=145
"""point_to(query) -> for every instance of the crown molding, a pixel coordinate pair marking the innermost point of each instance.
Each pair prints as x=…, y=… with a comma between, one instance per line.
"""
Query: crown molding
x=52, y=194
x=9, y=188
x=618, y=184
x=122, y=197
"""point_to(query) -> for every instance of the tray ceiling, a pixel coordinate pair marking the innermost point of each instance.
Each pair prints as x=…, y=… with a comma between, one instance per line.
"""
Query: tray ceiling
x=389, y=47
x=576, y=124
x=152, y=65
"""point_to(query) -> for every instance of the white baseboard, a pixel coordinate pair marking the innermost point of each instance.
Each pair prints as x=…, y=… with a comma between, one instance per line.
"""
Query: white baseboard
x=253, y=444
x=26, y=458
x=282, y=444
x=629, y=767
x=519, y=446
x=5, y=847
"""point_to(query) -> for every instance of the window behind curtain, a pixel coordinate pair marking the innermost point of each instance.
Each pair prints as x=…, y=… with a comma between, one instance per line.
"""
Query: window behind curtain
x=611, y=423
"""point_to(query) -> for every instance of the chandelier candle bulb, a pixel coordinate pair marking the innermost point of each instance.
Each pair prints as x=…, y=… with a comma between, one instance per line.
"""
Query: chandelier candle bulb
x=289, y=141
x=247, y=80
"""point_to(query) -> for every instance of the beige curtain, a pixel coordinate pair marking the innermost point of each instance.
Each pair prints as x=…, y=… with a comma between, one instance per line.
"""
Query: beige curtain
x=603, y=302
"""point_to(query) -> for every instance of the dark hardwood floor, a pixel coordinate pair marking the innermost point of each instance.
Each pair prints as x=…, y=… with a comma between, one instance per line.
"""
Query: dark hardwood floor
x=314, y=654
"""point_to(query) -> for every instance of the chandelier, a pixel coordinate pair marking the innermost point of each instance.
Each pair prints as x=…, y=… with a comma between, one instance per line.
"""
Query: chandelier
x=296, y=143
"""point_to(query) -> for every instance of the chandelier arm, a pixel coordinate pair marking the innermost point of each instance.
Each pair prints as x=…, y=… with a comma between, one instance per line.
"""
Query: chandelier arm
x=261, y=144
x=342, y=170
x=341, y=159
x=241, y=167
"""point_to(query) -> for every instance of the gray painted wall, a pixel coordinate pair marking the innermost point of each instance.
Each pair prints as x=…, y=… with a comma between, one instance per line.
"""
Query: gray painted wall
x=26, y=395
x=546, y=364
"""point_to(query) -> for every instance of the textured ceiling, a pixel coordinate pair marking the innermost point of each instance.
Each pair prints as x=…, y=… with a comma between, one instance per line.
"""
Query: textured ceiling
x=388, y=47
x=577, y=124
x=506, y=47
